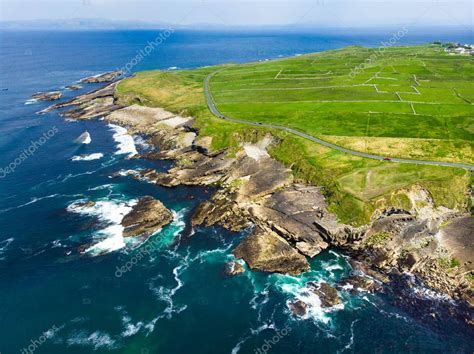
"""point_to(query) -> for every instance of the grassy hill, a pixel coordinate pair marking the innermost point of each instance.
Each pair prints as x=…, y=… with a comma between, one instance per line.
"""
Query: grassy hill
x=411, y=102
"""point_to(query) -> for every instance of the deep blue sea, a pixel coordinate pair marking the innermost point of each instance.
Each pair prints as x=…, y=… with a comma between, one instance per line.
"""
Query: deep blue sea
x=173, y=298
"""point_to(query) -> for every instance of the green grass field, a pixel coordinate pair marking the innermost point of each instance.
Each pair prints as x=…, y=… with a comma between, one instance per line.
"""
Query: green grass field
x=415, y=93
x=412, y=102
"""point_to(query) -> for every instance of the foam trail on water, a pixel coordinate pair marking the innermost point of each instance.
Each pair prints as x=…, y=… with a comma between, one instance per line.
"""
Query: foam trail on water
x=4, y=245
x=32, y=201
x=31, y=101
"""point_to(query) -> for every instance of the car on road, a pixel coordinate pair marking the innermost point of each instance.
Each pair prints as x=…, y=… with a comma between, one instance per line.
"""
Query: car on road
x=387, y=159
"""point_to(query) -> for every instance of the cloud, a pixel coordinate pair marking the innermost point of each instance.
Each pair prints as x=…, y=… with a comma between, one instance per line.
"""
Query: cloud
x=337, y=13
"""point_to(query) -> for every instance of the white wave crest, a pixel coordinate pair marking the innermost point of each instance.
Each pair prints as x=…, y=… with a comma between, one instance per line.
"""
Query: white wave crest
x=315, y=311
x=110, y=213
x=125, y=142
x=90, y=157
x=84, y=138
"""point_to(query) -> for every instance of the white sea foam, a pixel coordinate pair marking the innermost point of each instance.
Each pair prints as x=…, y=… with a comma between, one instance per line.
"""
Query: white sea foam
x=4, y=246
x=97, y=340
x=253, y=332
x=110, y=213
x=84, y=138
x=351, y=340
x=102, y=187
x=31, y=101
x=423, y=292
x=125, y=142
x=166, y=294
x=32, y=201
x=141, y=142
x=90, y=157
x=299, y=291
x=130, y=328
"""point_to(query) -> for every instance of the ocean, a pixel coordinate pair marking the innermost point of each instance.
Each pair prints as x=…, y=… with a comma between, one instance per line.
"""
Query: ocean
x=168, y=294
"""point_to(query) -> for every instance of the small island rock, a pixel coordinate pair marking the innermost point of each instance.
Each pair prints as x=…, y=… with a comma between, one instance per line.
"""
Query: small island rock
x=147, y=216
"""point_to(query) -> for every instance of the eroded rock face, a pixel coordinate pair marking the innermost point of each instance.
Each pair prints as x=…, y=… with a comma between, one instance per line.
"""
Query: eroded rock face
x=266, y=251
x=147, y=217
x=299, y=213
x=458, y=238
x=220, y=210
x=47, y=96
x=105, y=77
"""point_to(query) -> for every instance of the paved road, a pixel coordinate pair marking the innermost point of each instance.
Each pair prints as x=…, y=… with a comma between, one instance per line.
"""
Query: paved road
x=212, y=106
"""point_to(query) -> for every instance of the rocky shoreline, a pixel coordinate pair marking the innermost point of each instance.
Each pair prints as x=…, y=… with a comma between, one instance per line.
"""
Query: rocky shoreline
x=290, y=220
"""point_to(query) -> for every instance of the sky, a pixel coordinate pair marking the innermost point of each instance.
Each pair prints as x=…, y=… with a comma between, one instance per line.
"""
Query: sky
x=333, y=13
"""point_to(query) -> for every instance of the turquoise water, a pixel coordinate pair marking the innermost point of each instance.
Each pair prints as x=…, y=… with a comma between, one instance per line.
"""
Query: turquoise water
x=168, y=294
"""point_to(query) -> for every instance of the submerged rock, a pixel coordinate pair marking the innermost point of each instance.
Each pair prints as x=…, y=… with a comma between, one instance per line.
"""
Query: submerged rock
x=147, y=216
x=268, y=252
x=327, y=294
x=47, y=96
x=105, y=77
x=233, y=268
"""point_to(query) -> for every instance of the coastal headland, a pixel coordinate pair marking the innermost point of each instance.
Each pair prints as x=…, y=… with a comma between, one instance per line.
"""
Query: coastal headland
x=299, y=198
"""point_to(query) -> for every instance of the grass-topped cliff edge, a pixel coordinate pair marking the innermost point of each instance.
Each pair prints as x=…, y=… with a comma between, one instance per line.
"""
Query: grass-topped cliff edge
x=410, y=102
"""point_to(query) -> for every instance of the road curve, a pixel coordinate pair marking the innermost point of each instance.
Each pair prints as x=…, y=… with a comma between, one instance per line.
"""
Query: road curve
x=212, y=107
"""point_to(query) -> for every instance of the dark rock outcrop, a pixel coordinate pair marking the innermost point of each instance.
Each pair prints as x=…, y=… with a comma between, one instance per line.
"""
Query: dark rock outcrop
x=266, y=251
x=73, y=87
x=105, y=77
x=298, y=308
x=90, y=105
x=47, y=96
x=147, y=216
x=327, y=294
